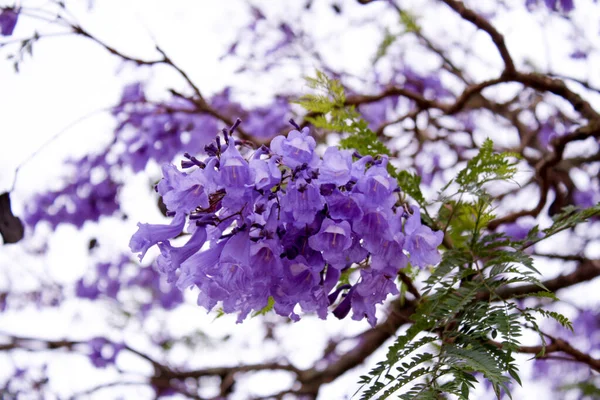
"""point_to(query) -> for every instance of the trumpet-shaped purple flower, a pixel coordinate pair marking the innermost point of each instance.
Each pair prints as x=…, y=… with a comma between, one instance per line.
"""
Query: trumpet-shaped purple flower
x=235, y=172
x=184, y=192
x=377, y=186
x=333, y=240
x=345, y=205
x=265, y=174
x=374, y=225
x=421, y=241
x=336, y=166
x=372, y=289
x=296, y=149
x=148, y=235
x=170, y=258
x=303, y=200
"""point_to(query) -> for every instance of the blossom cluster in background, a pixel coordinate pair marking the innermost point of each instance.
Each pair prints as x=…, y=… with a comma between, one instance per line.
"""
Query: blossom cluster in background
x=146, y=132
x=285, y=225
x=112, y=278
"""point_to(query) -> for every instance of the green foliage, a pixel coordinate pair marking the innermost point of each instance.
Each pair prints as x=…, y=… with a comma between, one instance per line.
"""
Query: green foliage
x=467, y=322
x=485, y=167
x=364, y=140
x=327, y=107
x=388, y=39
x=408, y=23
x=410, y=184
x=567, y=219
x=267, y=308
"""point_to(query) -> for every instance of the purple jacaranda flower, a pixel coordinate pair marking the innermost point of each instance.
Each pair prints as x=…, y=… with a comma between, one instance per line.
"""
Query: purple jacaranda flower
x=170, y=258
x=296, y=149
x=132, y=93
x=565, y=5
x=586, y=198
x=265, y=173
x=421, y=241
x=372, y=289
x=356, y=253
x=184, y=192
x=376, y=113
x=268, y=121
x=297, y=284
x=8, y=20
x=102, y=352
x=336, y=166
x=359, y=167
x=517, y=230
x=302, y=200
x=343, y=309
x=345, y=205
x=224, y=274
x=246, y=289
x=387, y=254
x=81, y=199
x=148, y=235
x=282, y=224
x=332, y=276
x=197, y=269
x=235, y=172
x=579, y=55
x=317, y=302
x=302, y=276
x=374, y=225
x=426, y=85
x=265, y=256
x=333, y=240
x=86, y=290
x=377, y=186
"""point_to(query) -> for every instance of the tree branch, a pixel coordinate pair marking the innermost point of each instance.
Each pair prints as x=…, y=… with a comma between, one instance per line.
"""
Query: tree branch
x=483, y=24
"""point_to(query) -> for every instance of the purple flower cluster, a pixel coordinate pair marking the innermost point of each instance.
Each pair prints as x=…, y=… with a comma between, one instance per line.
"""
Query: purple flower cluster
x=158, y=132
x=102, y=352
x=150, y=131
x=111, y=278
x=284, y=223
x=565, y=5
x=145, y=131
x=90, y=194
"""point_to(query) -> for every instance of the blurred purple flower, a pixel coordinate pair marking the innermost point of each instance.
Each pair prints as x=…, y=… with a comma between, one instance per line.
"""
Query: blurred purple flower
x=8, y=20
